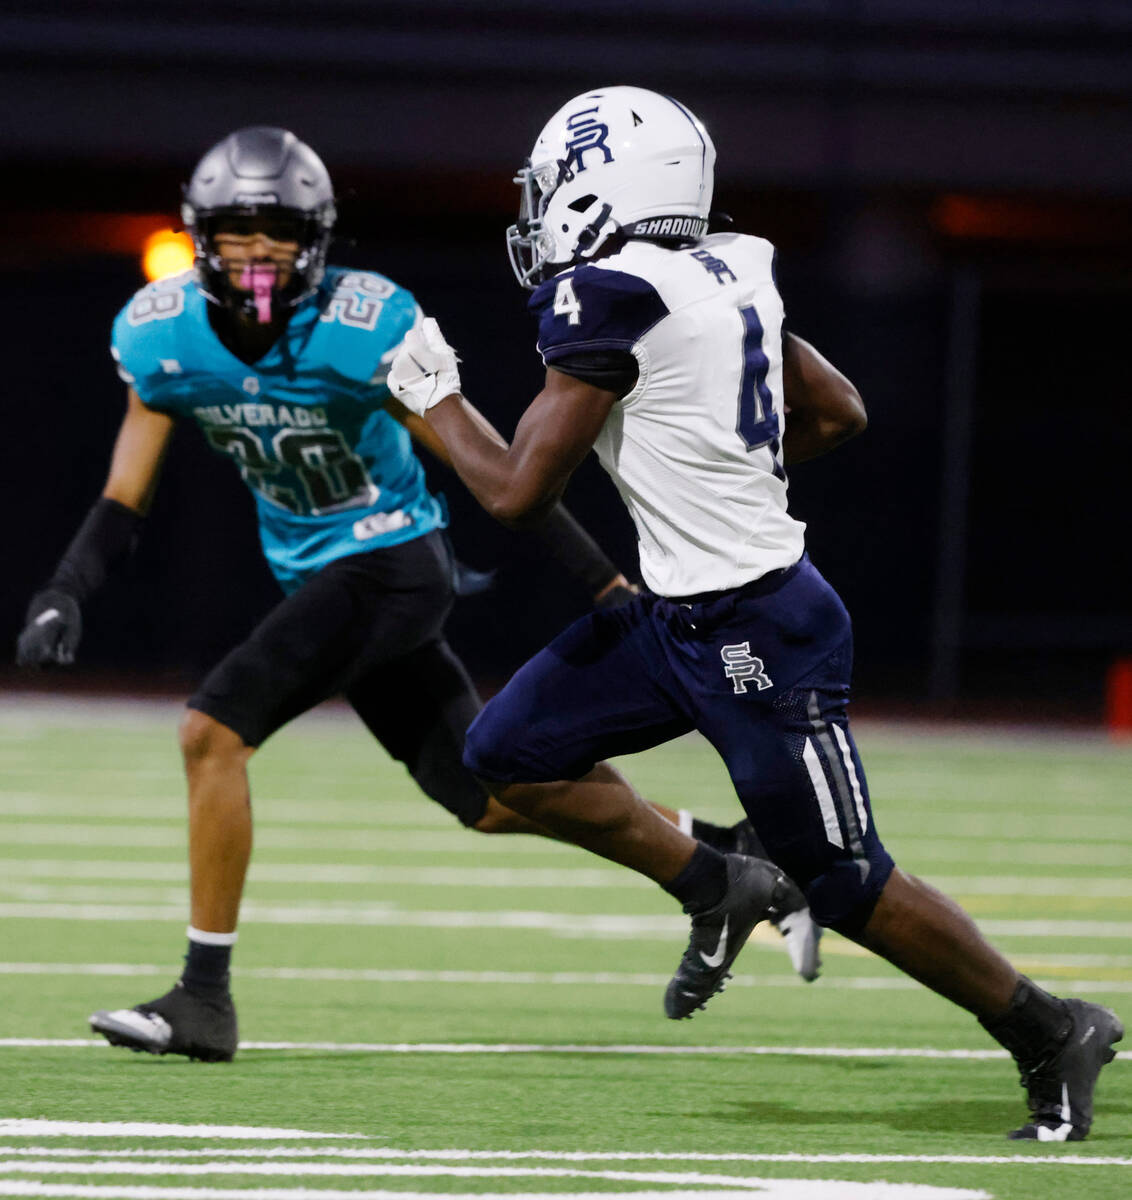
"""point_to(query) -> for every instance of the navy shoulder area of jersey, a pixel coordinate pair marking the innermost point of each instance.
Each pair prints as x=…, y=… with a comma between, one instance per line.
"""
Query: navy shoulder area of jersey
x=594, y=308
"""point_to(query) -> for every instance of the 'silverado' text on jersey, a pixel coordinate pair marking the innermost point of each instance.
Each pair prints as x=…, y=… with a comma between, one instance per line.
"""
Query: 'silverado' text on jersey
x=695, y=448
x=332, y=472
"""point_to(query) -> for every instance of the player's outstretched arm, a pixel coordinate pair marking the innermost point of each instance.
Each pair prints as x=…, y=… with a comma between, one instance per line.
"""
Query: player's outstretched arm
x=823, y=409
x=53, y=625
x=557, y=528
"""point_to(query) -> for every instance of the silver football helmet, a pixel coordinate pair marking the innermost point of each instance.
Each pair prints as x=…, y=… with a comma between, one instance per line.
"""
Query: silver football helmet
x=255, y=172
x=615, y=160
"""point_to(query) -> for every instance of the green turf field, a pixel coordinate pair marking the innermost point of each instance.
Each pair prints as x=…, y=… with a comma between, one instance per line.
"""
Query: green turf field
x=430, y=1011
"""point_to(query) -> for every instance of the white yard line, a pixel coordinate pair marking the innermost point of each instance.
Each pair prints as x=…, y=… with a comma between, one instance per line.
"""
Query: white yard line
x=867, y=983
x=280, y=811
x=769, y=1189
x=559, y=924
x=359, y=1170
x=865, y=1052
x=363, y=839
x=921, y=847
x=1103, y=887
x=162, y=806
x=558, y=878
x=391, y=1152
x=36, y=1127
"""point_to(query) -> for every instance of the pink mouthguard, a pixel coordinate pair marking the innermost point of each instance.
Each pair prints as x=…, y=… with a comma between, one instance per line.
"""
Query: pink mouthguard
x=259, y=279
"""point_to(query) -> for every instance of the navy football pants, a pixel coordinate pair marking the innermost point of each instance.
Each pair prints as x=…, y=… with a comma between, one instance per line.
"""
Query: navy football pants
x=762, y=672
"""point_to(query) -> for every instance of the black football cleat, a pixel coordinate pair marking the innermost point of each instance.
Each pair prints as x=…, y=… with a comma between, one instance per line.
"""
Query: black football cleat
x=799, y=930
x=1060, y=1087
x=756, y=891
x=196, y=1024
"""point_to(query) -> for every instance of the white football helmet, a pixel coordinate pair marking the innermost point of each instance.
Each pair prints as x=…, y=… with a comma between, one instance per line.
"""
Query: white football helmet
x=618, y=159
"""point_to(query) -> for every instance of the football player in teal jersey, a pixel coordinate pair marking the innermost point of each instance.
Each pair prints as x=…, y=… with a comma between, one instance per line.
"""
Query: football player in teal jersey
x=282, y=361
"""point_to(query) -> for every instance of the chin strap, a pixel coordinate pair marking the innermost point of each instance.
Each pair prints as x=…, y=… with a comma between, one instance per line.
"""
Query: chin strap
x=595, y=234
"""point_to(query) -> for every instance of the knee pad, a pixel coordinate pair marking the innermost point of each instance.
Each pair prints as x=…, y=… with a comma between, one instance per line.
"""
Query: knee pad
x=843, y=898
x=453, y=788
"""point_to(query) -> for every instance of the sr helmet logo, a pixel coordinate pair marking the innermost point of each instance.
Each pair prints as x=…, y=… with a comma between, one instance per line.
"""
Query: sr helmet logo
x=587, y=134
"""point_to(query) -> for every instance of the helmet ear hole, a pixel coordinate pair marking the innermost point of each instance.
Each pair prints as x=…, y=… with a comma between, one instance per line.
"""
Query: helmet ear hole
x=582, y=203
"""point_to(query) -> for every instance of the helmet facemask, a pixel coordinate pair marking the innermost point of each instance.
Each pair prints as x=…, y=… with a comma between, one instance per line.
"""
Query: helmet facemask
x=258, y=292
x=532, y=245
x=260, y=179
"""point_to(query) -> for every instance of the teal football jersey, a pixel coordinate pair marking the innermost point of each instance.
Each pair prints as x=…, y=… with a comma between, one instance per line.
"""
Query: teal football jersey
x=331, y=471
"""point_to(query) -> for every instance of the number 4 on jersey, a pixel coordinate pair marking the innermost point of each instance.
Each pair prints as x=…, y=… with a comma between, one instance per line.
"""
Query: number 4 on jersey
x=758, y=422
x=566, y=303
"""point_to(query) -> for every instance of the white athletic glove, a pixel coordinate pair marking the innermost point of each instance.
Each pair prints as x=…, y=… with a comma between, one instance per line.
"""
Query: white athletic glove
x=424, y=370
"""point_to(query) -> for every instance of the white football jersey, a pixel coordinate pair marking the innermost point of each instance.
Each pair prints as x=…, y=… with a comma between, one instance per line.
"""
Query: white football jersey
x=695, y=449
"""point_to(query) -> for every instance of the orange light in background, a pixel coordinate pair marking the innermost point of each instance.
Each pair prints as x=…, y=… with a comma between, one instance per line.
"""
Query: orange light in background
x=166, y=253
x=1032, y=220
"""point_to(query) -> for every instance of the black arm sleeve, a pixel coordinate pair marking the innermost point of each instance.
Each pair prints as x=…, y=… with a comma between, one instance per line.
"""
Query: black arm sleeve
x=104, y=539
x=612, y=370
x=575, y=549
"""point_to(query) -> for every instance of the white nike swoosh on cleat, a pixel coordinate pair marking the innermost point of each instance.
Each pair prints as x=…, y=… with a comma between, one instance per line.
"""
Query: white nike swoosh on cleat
x=716, y=959
x=148, y=1026
x=52, y=614
x=1088, y=1034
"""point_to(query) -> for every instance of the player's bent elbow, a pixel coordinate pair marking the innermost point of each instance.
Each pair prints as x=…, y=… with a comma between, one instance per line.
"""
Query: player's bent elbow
x=848, y=417
x=519, y=511
x=857, y=419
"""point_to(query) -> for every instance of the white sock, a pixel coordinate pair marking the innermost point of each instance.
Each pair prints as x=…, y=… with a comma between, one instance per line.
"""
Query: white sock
x=211, y=939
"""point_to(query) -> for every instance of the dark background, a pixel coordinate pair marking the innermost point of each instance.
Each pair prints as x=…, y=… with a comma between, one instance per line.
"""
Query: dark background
x=948, y=184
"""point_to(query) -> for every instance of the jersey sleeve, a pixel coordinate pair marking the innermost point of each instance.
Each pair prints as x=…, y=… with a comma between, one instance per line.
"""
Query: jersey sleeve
x=366, y=320
x=142, y=340
x=593, y=309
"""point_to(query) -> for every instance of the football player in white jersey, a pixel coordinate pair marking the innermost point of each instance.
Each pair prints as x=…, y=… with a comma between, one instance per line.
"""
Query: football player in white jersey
x=665, y=353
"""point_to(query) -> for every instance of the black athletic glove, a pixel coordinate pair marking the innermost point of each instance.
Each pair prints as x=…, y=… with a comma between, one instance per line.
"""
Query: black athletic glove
x=616, y=597
x=54, y=622
x=52, y=630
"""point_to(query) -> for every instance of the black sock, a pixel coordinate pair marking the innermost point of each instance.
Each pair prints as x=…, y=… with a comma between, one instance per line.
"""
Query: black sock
x=750, y=843
x=1034, y=1026
x=206, y=967
x=718, y=837
x=702, y=883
